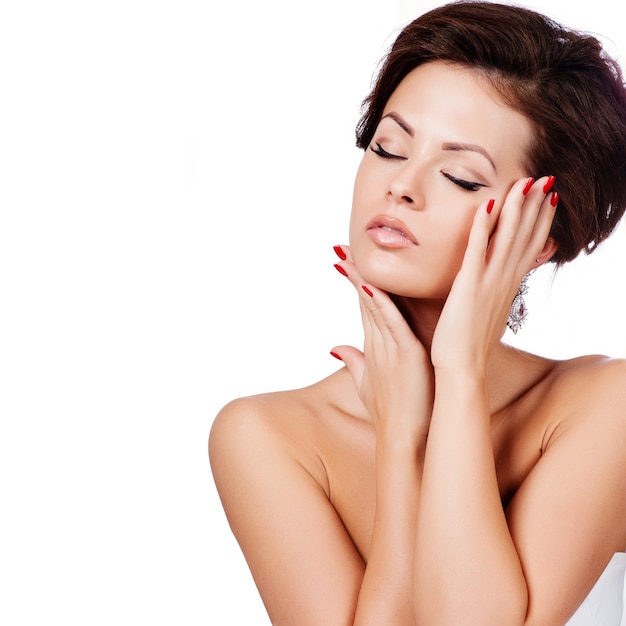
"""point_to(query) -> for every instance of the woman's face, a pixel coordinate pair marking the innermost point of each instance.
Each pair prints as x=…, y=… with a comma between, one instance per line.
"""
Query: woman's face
x=444, y=145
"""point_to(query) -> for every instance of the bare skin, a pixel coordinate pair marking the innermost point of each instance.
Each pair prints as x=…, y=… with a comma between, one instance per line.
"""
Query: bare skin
x=441, y=477
x=318, y=445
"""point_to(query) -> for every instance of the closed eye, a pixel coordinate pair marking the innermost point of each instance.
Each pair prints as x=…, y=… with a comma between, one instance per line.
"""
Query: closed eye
x=381, y=152
x=464, y=184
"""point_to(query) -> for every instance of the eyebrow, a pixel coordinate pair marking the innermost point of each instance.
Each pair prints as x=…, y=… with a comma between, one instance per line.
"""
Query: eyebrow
x=448, y=145
x=470, y=147
x=401, y=123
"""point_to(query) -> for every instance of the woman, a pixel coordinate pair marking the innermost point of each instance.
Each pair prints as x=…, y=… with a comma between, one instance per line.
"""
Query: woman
x=442, y=477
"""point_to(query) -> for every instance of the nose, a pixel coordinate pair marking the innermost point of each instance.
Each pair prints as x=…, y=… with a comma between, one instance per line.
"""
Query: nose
x=404, y=187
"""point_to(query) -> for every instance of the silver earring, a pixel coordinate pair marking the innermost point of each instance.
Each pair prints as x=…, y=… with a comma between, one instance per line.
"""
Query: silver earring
x=518, y=311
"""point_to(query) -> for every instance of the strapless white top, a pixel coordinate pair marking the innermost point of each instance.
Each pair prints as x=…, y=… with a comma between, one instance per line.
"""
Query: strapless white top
x=604, y=606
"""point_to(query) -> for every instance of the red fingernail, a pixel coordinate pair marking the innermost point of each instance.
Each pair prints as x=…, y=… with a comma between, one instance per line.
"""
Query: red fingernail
x=490, y=205
x=339, y=252
x=528, y=186
x=340, y=269
x=549, y=184
x=336, y=355
x=554, y=198
x=367, y=291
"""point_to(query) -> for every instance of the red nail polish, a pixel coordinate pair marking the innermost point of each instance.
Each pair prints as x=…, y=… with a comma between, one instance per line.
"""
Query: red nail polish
x=490, y=205
x=340, y=269
x=549, y=184
x=554, y=198
x=367, y=291
x=336, y=355
x=528, y=186
x=339, y=252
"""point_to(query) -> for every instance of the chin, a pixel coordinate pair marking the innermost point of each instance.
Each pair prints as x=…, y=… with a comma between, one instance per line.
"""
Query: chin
x=393, y=280
x=397, y=277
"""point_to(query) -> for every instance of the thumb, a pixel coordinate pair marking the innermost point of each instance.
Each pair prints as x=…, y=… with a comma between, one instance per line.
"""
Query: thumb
x=354, y=361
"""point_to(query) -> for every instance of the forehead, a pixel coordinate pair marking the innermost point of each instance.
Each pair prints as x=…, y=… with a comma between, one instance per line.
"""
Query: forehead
x=455, y=103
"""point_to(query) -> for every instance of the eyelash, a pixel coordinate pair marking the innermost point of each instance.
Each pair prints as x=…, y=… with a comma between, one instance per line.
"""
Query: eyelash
x=459, y=182
x=381, y=152
x=463, y=184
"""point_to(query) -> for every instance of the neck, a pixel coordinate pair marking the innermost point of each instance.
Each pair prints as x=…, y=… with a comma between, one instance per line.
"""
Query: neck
x=422, y=317
x=522, y=369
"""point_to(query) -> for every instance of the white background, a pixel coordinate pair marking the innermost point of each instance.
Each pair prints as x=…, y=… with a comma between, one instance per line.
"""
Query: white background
x=173, y=176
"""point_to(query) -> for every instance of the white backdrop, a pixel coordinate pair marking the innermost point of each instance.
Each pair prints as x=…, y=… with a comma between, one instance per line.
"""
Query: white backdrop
x=173, y=176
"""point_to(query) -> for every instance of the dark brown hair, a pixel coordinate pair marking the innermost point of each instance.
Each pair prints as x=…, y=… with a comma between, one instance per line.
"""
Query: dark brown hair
x=563, y=82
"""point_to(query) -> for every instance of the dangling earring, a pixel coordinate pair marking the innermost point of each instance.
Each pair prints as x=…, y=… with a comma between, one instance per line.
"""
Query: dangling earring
x=518, y=311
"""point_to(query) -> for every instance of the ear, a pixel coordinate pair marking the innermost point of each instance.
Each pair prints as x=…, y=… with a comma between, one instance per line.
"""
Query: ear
x=549, y=250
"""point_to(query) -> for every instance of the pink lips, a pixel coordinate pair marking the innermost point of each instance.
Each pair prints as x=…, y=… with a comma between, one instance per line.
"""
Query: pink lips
x=390, y=232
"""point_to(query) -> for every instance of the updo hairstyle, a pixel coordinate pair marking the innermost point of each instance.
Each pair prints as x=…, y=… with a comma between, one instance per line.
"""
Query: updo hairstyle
x=563, y=81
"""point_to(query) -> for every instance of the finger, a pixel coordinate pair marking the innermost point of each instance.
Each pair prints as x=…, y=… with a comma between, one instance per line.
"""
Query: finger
x=374, y=327
x=343, y=252
x=536, y=219
x=519, y=228
x=542, y=227
x=390, y=323
x=371, y=334
x=365, y=292
x=377, y=309
x=511, y=229
x=354, y=361
x=533, y=200
x=478, y=240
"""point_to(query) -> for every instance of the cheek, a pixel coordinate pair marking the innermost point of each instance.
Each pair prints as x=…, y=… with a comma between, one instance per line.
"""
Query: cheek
x=452, y=227
x=362, y=195
x=354, y=220
x=459, y=237
x=450, y=242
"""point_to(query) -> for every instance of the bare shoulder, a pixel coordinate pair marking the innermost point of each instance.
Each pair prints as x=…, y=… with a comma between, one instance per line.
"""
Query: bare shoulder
x=266, y=424
x=588, y=407
x=568, y=517
x=597, y=365
x=591, y=388
x=263, y=413
x=296, y=424
x=269, y=469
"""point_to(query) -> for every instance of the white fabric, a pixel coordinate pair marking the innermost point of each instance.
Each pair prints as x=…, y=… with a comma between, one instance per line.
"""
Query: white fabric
x=604, y=606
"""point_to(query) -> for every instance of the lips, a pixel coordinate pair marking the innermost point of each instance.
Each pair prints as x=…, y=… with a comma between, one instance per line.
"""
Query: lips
x=395, y=227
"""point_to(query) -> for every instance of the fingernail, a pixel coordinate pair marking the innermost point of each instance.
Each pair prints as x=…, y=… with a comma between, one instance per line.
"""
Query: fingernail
x=339, y=252
x=336, y=355
x=490, y=205
x=367, y=291
x=528, y=186
x=554, y=198
x=340, y=269
x=549, y=184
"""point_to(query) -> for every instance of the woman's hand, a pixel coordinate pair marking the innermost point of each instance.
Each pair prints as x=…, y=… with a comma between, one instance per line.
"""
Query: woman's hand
x=504, y=245
x=393, y=375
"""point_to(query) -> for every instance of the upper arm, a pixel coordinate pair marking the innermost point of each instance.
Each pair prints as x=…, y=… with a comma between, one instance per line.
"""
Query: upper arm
x=304, y=563
x=569, y=516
